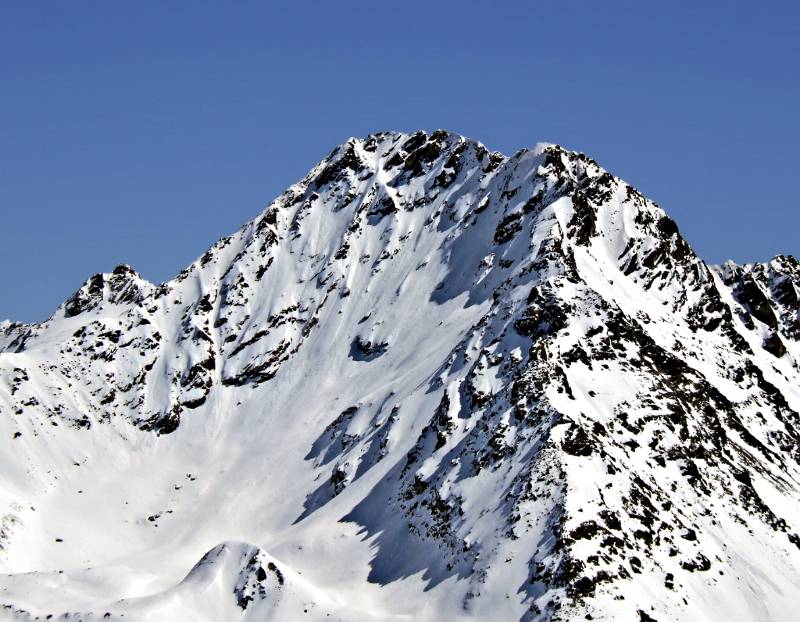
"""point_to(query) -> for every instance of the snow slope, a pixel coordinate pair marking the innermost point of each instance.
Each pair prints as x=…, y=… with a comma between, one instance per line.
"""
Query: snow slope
x=428, y=382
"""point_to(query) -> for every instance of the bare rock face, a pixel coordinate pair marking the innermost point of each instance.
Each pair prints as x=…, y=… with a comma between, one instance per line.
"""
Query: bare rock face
x=432, y=381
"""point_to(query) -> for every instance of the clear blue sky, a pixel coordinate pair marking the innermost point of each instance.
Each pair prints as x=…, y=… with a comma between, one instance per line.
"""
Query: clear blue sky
x=140, y=132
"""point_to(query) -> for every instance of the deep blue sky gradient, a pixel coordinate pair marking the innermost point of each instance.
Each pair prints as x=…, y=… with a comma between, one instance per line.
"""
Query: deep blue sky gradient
x=141, y=132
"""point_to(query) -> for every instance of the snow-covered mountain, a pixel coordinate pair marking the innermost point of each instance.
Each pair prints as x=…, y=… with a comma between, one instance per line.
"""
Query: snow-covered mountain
x=428, y=382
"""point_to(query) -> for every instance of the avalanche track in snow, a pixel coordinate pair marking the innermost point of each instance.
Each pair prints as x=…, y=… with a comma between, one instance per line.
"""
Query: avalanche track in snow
x=428, y=382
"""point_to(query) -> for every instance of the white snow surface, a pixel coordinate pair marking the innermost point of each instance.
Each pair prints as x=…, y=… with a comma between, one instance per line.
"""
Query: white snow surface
x=427, y=382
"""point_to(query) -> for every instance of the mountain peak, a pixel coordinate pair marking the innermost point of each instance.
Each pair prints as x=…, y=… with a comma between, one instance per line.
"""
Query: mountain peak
x=122, y=285
x=428, y=380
